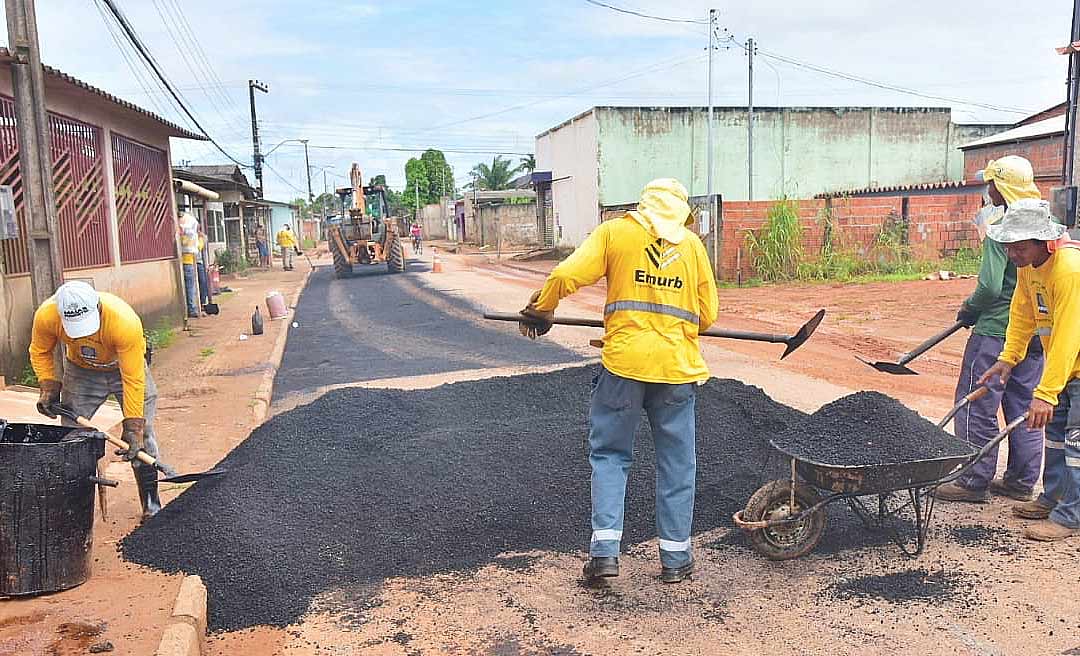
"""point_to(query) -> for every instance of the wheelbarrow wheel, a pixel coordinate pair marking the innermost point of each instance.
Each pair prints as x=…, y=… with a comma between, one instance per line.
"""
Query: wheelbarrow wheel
x=785, y=541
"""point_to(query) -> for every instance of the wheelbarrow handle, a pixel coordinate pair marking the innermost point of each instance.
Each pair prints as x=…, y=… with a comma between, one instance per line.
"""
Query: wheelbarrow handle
x=985, y=450
x=974, y=395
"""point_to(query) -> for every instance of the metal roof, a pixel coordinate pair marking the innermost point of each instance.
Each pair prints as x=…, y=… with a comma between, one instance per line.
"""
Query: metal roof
x=894, y=189
x=176, y=130
x=1037, y=130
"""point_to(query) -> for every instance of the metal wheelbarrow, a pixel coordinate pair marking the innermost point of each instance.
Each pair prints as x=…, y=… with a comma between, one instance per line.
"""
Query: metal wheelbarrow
x=786, y=518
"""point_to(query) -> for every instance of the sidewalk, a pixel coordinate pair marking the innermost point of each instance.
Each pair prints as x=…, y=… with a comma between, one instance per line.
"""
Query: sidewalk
x=207, y=382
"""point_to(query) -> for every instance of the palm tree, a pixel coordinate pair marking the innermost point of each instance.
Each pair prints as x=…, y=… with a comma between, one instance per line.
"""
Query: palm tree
x=528, y=163
x=495, y=177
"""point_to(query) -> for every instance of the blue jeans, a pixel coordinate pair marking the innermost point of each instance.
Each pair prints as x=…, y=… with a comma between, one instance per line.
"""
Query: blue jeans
x=1061, y=471
x=190, y=295
x=204, y=284
x=977, y=423
x=614, y=416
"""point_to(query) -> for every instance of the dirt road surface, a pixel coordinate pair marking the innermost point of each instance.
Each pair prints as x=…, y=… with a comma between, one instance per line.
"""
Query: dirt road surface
x=978, y=589
x=206, y=381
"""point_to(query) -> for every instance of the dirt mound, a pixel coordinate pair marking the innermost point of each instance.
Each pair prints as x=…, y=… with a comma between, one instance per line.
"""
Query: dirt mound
x=868, y=428
x=363, y=485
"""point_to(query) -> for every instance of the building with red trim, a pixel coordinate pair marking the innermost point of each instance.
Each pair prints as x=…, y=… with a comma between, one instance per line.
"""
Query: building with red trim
x=114, y=193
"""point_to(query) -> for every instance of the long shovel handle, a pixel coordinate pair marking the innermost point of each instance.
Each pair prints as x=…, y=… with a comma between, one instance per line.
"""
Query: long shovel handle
x=597, y=323
x=142, y=456
x=974, y=395
x=930, y=343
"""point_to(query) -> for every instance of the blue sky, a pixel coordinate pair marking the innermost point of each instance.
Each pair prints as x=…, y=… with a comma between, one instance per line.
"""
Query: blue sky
x=359, y=79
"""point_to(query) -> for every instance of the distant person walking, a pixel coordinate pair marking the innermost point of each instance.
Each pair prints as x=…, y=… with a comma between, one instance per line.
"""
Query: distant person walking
x=286, y=240
x=263, y=244
x=417, y=239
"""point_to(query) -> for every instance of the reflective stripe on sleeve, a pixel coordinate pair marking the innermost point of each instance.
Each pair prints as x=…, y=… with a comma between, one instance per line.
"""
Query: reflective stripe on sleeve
x=1043, y=332
x=674, y=545
x=606, y=534
x=1053, y=444
x=656, y=308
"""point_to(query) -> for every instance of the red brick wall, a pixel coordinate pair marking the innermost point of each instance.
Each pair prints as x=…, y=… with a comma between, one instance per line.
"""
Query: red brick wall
x=1044, y=154
x=938, y=225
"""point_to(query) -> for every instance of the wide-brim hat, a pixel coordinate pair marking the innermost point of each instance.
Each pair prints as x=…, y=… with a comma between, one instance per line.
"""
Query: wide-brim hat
x=1026, y=219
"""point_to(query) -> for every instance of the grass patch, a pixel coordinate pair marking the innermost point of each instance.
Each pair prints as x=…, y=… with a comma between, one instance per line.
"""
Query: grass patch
x=206, y=352
x=28, y=377
x=161, y=337
x=776, y=252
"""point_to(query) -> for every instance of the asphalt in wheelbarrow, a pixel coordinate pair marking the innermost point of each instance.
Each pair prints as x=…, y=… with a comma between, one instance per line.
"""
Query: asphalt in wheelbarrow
x=868, y=429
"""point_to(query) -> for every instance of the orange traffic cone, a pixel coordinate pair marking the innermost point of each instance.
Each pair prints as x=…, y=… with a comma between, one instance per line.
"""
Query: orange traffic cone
x=436, y=263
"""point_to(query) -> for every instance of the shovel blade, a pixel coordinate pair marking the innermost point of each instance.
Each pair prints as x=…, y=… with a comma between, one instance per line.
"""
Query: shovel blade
x=804, y=333
x=889, y=367
x=187, y=478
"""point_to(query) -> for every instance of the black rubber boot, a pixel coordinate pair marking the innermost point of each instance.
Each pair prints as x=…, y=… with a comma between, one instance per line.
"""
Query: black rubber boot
x=600, y=567
x=146, y=480
x=677, y=574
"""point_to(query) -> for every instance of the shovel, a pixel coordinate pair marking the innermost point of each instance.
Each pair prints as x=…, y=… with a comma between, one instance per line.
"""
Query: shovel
x=899, y=368
x=792, y=342
x=170, y=474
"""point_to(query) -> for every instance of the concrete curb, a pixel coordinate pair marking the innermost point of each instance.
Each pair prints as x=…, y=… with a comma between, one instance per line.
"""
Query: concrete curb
x=261, y=409
x=186, y=633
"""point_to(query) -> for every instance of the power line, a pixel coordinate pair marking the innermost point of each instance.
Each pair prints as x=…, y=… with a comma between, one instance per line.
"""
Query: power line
x=420, y=150
x=651, y=69
x=283, y=179
x=880, y=85
x=149, y=59
x=648, y=16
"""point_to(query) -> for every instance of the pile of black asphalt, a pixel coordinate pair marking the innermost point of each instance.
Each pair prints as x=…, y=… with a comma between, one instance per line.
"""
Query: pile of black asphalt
x=367, y=484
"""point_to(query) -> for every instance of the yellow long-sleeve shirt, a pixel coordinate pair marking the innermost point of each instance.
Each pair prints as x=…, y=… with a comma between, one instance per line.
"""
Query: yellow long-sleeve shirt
x=119, y=344
x=1047, y=303
x=286, y=239
x=659, y=295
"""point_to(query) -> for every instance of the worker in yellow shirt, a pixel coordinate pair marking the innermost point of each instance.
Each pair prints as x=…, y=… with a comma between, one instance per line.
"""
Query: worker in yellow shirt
x=660, y=293
x=105, y=353
x=286, y=239
x=188, y=231
x=1046, y=303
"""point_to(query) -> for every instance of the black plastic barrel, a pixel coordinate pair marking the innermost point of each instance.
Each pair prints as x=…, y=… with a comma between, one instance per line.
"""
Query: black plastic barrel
x=46, y=507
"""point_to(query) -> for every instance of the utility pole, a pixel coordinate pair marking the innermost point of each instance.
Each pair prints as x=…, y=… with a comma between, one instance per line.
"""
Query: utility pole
x=1065, y=200
x=709, y=198
x=307, y=167
x=1071, y=133
x=416, y=187
x=750, y=121
x=253, y=86
x=35, y=160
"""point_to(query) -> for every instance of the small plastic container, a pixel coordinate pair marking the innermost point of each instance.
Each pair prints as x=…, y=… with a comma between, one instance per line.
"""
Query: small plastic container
x=275, y=305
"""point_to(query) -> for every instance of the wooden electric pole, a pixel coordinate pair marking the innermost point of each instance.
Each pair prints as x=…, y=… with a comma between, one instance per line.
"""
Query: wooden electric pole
x=35, y=160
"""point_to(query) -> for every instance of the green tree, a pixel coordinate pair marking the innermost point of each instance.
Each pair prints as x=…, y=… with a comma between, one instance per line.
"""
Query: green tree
x=440, y=176
x=495, y=177
x=428, y=176
x=528, y=163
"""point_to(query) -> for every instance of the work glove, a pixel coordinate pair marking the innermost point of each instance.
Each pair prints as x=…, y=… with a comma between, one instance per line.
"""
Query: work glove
x=967, y=316
x=48, y=397
x=296, y=249
x=134, y=432
x=536, y=322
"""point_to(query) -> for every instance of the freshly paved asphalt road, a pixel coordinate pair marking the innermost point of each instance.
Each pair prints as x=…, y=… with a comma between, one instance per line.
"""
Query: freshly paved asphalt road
x=375, y=325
